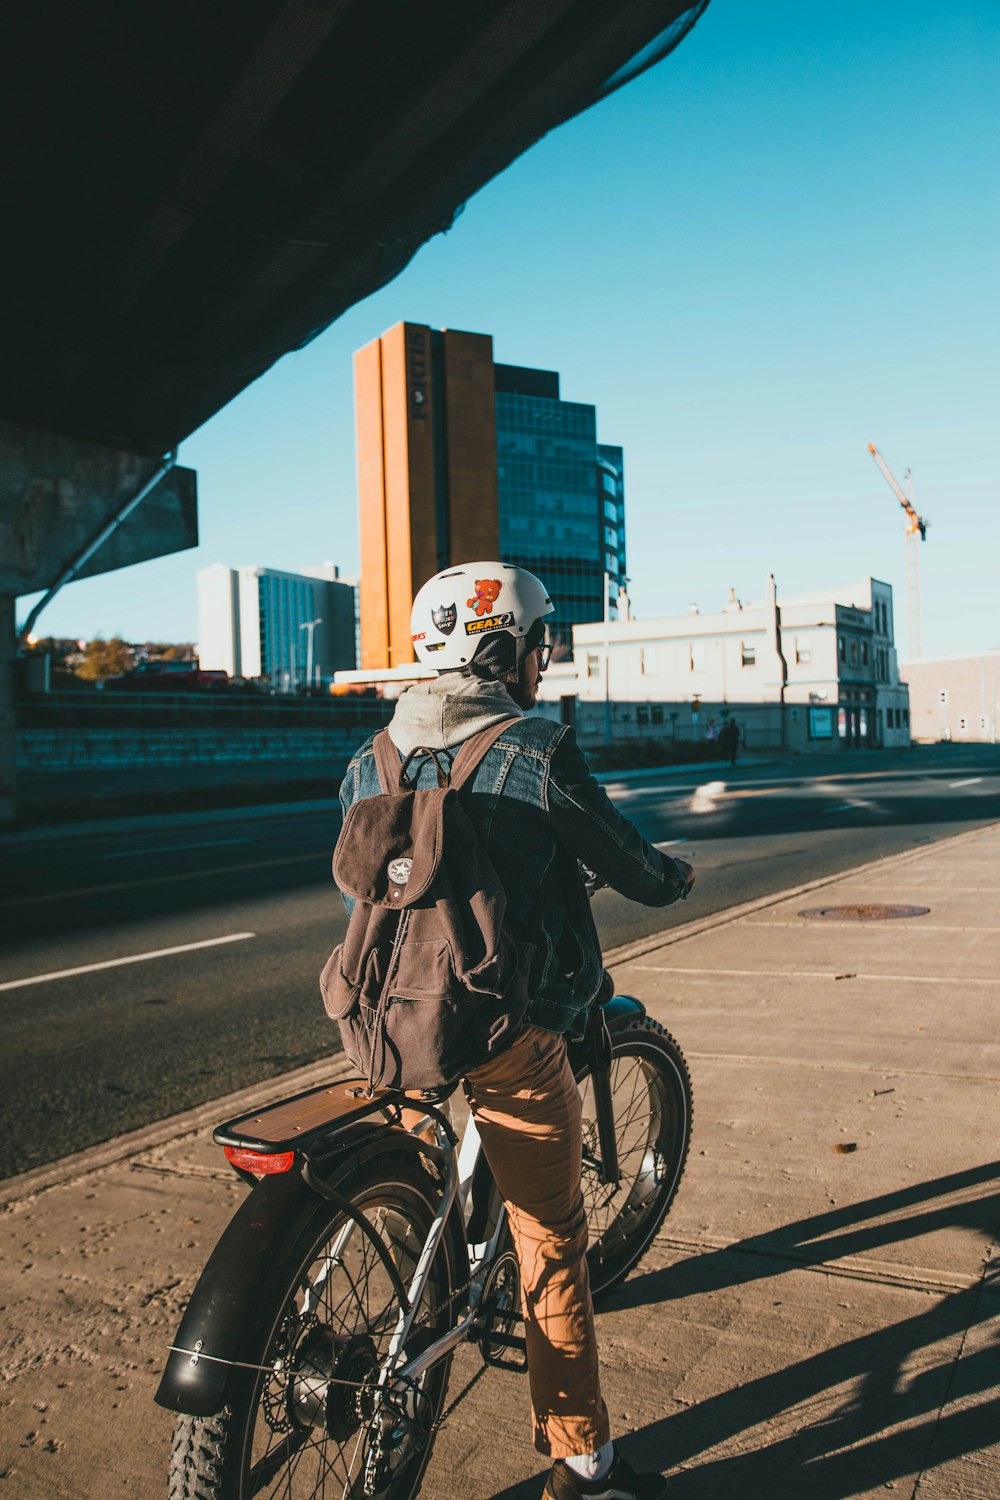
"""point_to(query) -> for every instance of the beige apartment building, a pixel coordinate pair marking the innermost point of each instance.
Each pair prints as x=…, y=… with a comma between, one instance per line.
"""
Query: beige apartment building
x=810, y=672
x=955, y=698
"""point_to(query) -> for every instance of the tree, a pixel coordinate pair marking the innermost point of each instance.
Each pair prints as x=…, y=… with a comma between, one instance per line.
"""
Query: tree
x=103, y=658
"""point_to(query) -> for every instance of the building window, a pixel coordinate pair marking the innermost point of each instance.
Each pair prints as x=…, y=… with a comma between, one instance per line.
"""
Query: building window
x=656, y=713
x=943, y=696
x=608, y=483
x=611, y=536
x=748, y=654
x=593, y=666
x=841, y=648
x=852, y=652
x=642, y=714
x=803, y=648
x=864, y=653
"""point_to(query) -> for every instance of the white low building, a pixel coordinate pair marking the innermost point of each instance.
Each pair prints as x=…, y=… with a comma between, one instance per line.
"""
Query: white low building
x=808, y=672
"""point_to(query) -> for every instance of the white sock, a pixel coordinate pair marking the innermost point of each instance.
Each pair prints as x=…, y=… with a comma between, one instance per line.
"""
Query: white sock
x=592, y=1465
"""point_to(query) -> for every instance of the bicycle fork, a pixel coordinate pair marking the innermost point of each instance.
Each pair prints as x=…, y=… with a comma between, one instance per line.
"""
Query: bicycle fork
x=598, y=1045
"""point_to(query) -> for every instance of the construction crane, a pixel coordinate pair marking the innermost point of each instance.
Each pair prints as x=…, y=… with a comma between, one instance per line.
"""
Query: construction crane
x=916, y=532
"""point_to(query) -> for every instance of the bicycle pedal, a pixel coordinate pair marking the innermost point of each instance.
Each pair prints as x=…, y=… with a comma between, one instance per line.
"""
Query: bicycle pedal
x=505, y=1351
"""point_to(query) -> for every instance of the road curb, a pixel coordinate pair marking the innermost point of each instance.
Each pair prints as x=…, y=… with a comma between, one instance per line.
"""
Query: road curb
x=328, y=1070
x=161, y=1132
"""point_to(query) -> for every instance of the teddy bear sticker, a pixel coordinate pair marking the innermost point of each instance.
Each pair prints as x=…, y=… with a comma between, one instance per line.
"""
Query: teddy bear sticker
x=487, y=592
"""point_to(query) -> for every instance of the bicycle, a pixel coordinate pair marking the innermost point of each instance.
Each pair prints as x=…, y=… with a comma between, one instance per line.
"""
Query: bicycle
x=314, y=1354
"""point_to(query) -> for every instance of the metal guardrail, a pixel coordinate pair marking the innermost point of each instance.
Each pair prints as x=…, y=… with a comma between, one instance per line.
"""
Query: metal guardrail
x=203, y=710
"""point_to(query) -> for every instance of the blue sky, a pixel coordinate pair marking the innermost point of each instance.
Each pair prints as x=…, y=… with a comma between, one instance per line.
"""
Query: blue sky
x=777, y=245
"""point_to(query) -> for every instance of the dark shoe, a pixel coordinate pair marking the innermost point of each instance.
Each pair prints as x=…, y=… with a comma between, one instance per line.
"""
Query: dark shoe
x=620, y=1483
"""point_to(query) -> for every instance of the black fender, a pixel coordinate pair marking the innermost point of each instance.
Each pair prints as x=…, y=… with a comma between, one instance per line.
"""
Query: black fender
x=221, y=1330
x=619, y=1011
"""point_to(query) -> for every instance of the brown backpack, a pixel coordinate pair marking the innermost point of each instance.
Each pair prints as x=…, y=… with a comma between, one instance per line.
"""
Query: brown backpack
x=428, y=983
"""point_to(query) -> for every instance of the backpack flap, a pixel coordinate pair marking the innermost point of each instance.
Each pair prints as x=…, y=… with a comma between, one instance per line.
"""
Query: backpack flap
x=389, y=848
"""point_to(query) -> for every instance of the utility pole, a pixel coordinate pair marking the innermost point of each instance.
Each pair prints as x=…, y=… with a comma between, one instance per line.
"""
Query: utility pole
x=916, y=532
x=310, y=625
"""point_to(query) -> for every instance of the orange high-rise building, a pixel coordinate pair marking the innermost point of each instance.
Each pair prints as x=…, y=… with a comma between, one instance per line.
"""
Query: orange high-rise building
x=461, y=459
x=427, y=472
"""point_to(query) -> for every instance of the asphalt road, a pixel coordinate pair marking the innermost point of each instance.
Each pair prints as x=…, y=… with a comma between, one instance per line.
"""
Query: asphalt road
x=145, y=972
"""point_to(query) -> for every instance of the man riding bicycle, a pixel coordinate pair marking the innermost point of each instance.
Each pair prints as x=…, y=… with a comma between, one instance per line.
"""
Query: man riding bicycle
x=540, y=814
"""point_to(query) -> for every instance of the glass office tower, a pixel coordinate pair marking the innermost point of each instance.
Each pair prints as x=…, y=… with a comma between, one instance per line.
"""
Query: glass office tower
x=560, y=497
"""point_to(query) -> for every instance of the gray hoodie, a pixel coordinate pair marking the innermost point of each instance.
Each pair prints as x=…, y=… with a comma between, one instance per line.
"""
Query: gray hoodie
x=446, y=711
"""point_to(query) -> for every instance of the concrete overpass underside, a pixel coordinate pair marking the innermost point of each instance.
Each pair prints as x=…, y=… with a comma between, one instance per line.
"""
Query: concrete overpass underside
x=193, y=190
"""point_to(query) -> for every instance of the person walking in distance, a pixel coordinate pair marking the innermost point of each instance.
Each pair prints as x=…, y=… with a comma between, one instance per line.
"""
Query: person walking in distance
x=540, y=813
x=729, y=741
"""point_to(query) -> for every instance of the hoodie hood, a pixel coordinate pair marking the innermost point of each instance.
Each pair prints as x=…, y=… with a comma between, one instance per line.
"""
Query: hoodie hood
x=443, y=713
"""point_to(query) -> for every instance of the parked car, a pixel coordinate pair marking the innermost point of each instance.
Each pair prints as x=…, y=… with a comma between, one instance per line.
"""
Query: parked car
x=167, y=676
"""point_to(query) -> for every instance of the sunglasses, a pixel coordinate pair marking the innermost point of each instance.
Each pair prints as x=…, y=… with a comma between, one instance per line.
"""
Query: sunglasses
x=544, y=654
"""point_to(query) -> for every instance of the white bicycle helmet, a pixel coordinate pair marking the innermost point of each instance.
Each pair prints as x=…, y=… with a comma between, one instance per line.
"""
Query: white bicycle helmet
x=460, y=607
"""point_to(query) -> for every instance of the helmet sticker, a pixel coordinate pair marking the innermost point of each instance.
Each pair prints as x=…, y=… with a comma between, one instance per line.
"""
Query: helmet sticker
x=487, y=591
x=444, y=618
x=399, y=870
x=498, y=622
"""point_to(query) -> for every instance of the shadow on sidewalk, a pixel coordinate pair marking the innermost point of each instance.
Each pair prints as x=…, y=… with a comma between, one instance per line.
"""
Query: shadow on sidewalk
x=889, y=1422
x=854, y=1443
x=825, y=1237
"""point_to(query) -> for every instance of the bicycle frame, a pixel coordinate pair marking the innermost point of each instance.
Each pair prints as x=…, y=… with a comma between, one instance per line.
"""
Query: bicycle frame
x=327, y=1132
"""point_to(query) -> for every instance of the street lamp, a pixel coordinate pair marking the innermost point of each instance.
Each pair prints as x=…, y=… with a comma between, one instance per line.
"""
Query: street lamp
x=310, y=625
x=607, y=657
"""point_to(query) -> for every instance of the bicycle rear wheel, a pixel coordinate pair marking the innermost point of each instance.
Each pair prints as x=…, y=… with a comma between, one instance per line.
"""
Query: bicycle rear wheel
x=302, y=1427
x=651, y=1101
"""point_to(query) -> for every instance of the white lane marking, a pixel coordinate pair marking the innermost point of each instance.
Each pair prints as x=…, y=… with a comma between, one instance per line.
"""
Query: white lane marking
x=706, y=797
x=972, y=781
x=133, y=958
x=171, y=848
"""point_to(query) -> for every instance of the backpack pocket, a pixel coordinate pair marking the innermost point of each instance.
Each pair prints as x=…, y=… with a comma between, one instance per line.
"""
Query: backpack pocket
x=343, y=993
x=425, y=971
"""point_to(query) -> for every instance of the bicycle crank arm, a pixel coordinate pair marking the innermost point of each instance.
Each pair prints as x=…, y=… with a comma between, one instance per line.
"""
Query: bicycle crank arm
x=427, y=1358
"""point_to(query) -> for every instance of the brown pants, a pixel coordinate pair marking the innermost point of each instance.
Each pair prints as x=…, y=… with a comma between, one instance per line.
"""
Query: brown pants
x=528, y=1111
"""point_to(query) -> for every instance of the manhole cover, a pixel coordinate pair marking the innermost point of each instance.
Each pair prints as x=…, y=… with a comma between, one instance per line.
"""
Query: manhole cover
x=870, y=912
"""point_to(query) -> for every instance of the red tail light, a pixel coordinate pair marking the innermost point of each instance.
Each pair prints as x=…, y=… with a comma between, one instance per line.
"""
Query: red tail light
x=260, y=1162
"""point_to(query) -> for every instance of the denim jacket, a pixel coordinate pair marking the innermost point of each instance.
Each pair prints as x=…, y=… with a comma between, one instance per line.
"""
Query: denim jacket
x=538, y=810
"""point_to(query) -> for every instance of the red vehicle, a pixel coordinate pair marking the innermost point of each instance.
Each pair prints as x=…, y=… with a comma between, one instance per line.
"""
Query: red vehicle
x=167, y=676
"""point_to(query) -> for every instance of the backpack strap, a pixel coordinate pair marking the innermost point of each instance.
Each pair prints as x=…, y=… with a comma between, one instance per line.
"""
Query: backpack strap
x=388, y=762
x=473, y=750
x=391, y=766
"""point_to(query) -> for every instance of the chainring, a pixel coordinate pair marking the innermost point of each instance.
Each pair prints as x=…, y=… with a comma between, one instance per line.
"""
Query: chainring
x=500, y=1313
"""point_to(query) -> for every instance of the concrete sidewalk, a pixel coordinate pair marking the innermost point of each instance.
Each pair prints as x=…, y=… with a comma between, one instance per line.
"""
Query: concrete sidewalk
x=819, y=1316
